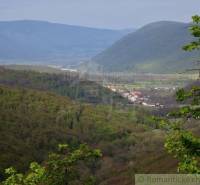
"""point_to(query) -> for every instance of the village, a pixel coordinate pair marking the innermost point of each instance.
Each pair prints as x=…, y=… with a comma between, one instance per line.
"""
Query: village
x=139, y=96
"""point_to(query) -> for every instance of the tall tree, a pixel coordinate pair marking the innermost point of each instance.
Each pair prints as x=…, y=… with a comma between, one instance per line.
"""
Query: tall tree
x=182, y=143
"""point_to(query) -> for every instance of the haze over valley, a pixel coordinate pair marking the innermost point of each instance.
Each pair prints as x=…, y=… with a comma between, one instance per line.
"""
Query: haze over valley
x=154, y=48
x=99, y=92
x=50, y=43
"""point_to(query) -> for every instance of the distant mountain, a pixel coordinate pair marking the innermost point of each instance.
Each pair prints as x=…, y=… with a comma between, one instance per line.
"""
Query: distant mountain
x=43, y=41
x=155, y=48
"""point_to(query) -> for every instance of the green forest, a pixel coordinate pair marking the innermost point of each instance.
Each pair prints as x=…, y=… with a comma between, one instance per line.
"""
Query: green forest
x=34, y=123
x=67, y=84
x=62, y=129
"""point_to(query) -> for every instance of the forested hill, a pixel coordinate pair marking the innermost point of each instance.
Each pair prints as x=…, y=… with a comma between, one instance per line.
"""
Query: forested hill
x=33, y=123
x=46, y=42
x=67, y=84
x=155, y=48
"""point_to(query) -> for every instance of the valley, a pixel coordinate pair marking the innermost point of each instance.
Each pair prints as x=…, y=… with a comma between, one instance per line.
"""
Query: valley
x=112, y=113
x=96, y=92
x=155, y=91
x=149, y=90
x=47, y=109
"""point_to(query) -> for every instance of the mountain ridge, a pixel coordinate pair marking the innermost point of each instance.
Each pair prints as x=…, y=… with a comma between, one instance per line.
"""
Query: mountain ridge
x=154, y=48
x=30, y=40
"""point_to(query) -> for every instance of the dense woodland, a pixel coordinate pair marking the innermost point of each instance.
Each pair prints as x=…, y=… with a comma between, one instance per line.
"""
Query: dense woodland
x=51, y=133
x=33, y=123
x=66, y=84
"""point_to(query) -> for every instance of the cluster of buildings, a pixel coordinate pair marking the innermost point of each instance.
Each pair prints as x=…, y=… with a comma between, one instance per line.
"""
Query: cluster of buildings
x=135, y=97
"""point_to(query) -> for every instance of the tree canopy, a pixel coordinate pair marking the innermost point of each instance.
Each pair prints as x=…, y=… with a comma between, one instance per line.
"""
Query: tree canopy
x=181, y=142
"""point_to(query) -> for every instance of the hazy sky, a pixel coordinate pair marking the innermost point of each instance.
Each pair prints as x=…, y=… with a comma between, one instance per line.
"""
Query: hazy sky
x=100, y=13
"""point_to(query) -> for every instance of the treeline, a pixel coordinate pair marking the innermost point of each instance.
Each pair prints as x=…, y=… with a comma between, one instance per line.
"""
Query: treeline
x=66, y=84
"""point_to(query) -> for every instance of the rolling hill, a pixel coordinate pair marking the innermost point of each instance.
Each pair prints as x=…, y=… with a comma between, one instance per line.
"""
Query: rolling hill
x=155, y=48
x=33, y=123
x=39, y=41
x=66, y=84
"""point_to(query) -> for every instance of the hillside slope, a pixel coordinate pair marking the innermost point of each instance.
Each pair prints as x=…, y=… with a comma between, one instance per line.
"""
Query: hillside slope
x=33, y=123
x=47, y=42
x=155, y=48
x=66, y=84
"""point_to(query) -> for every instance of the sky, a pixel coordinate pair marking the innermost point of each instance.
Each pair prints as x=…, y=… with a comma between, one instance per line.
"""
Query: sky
x=114, y=14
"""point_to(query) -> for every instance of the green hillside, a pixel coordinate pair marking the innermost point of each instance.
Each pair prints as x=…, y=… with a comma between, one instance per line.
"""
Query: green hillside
x=65, y=84
x=33, y=123
x=155, y=48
